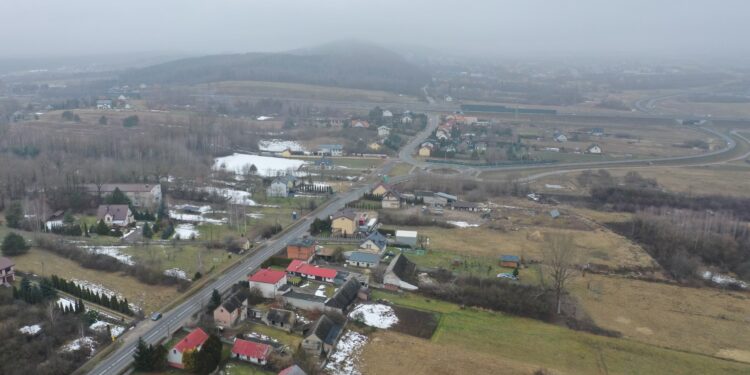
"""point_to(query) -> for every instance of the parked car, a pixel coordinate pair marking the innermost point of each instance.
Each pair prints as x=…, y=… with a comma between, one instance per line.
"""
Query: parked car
x=156, y=316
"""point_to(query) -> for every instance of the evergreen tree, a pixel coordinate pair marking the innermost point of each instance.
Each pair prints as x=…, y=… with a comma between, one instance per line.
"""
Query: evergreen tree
x=215, y=301
x=143, y=356
x=117, y=197
x=14, y=215
x=13, y=245
x=159, y=359
x=102, y=229
x=208, y=358
x=147, y=232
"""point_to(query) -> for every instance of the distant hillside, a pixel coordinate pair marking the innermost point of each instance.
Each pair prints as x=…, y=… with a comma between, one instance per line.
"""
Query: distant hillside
x=342, y=64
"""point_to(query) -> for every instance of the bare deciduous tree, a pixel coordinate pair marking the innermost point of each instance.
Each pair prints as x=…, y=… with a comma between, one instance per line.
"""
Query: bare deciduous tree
x=560, y=257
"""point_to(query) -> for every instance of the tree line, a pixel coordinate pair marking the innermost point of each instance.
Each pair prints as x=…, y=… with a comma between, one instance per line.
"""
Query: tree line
x=111, y=302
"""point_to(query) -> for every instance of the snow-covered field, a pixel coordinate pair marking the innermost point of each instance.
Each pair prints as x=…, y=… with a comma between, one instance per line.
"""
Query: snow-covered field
x=233, y=196
x=348, y=349
x=375, y=315
x=279, y=145
x=186, y=231
x=463, y=224
x=78, y=344
x=553, y=186
x=194, y=218
x=267, y=166
x=31, y=330
x=112, y=251
x=101, y=326
x=176, y=272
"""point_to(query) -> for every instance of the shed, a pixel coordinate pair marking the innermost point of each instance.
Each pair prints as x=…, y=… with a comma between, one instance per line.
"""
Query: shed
x=510, y=261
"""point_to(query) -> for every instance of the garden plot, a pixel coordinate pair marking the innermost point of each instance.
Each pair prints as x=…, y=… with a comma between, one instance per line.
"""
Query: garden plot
x=375, y=315
x=267, y=166
x=112, y=251
x=343, y=360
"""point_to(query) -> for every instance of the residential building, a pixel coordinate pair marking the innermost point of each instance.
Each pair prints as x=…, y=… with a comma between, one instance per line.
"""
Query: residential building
x=192, y=342
x=301, y=248
x=594, y=149
x=304, y=301
x=510, y=261
x=277, y=189
x=391, y=199
x=7, y=271
x=232, y=310
x=466, y=206
x=384, y=131
x=252, y=352
x=375, y=243
x=118, y=215
x=344, y=296
x=406, y=237
x=560, y=138
x=360, y=124
x=397, y=272
x=407, y=119
x=103, y=103
x=431, y=198
x=380, y=189
x=322, y=336
x=597, y=132
x=309, y=271
x=363, y=259
x=425, y=151
x=324, y=163
x=292, y=370
x=387, y=114
x=268, y=281
x=345, y=222
x=141, y=195
x=331, y=150
x=55, y=220
x=281, y=319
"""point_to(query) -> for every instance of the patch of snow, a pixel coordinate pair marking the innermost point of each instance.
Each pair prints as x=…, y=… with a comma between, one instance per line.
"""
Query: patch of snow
x=255, y=215
x=260, y=336
x=193, y=218
x=342, y=361
x=463, y=224
x=553, y=186
x=267, y=166
x=112, y=251
x=264, y=118
x=233, y=196
x=64, y=302
x=176, y=272
x=723, y=279
x=114, y=329
x=279, y=145
x=375, y=315
x=186, y=231
x=321, y=292
x=77, y=344
x=30, y=330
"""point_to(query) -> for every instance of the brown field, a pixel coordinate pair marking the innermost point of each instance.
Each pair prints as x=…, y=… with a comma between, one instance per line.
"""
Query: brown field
x=392, y=353
x=683, y=105
x=708, y=321
x=41, y=262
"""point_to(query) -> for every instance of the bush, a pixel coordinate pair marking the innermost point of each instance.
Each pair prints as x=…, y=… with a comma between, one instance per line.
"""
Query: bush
x=14, y=244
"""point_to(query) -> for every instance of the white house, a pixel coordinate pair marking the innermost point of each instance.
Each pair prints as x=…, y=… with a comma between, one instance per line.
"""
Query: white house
x=268, y=281
x=387, y=114
x=406, y=120
x=115, y=215
x=252, y=352
x=384, y=131
x=277, y=189
x=594, y=149
x=561, y=138
x=193, y=341
x=331, y=150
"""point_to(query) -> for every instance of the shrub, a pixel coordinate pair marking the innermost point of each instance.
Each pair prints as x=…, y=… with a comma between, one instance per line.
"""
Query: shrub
x=14, y=244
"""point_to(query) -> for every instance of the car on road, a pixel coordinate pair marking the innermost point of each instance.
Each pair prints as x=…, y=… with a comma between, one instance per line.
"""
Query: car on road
x=156, y=316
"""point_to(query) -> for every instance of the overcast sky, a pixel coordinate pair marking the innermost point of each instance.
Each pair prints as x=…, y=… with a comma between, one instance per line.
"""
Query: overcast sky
x=607, y=28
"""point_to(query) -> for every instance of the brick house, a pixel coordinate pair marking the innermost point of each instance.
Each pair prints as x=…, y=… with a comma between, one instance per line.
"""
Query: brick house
x=301, y=248
x=233, y=310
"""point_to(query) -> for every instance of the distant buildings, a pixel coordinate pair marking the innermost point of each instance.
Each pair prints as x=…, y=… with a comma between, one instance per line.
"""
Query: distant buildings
x=141, y=195
x=277, y=189
x=331, y=150
x=104, y=104
x=594, y=149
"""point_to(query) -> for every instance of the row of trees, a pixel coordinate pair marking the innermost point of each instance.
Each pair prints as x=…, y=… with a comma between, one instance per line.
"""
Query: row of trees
x=34, y=294
x=87, y=294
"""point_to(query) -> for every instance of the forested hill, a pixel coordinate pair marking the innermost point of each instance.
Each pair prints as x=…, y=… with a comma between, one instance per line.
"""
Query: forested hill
x=343, y=64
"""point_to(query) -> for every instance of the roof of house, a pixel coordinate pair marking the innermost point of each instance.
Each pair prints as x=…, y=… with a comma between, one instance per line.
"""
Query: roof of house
x=267, y=276
x=234, y=301
x=406, y=233
x=251, y=349
x=349, y=214
x=594, y=145
x=392, y=194
x=279, y=315
x=509, y=258
x=554, y=213
x=302, y=242
x=56, y=215
x=377, y=238
x=119, y=212
x=6, y=263
x=192, y=340
x=305, y=268
x=345, y=295
x=383, y=127
x=305, y=297
x=447, y=196
x=359, y=256
x=401, y=267
x=325, y=329
x=125, y=188
x=293, y=370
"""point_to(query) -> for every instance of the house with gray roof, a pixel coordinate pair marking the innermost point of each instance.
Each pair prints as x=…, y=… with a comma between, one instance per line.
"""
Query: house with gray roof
x=322, y=336
x=363, y=260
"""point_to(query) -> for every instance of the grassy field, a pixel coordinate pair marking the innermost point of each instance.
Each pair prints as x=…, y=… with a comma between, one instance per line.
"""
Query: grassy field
x=150, y=297
x=184, y=255
x=401, y=169
x=241, y=368
x=475, y=341
x=288, y=339
x=350, y=163
x=707, y=321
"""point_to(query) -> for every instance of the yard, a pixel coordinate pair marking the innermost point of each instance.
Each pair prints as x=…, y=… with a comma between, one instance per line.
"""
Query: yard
x=475, y=341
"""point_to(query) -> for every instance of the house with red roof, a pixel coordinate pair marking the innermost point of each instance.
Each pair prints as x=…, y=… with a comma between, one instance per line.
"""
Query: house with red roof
x=192, y=342
x=293, y=370
x=309, y=271
x=252, y=352
x=268, y=281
